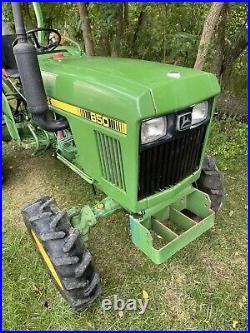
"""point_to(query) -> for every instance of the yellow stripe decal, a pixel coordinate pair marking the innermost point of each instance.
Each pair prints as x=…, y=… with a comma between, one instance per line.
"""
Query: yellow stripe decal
x=94, y=117
x=65, y=106
x=46, y=259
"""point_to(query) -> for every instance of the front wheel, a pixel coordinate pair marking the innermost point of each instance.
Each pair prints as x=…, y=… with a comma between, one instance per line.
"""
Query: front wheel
x=68, y=262
x=211, y=182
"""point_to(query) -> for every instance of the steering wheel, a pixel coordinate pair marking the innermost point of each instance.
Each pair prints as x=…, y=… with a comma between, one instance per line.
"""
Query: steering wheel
x=51, y=45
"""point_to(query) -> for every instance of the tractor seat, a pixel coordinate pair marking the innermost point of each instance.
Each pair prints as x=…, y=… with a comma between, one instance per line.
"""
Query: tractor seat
x=8, y=59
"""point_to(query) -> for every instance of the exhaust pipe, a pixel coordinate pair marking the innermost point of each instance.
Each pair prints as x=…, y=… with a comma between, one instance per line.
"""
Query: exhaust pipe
x=31, y=78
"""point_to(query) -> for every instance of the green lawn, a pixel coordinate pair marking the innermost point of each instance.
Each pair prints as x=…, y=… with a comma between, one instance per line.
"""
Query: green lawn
x=203, y=286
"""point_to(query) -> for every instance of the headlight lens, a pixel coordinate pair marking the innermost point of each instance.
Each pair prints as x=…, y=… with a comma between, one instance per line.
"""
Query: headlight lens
x=199, y=113
x=154, y=129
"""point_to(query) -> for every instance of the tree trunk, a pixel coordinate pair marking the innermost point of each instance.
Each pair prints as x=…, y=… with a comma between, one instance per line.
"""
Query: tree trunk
x=164, y=9
x=125, y=28
x=26, y=11
x=119, y=31
x=207, y=33
x=231, y=56
x=220, y=43
x=140, y=23
x=125, y=15
x=115, y=45
x=225, y=57
x=104, y=44
x=86, y=28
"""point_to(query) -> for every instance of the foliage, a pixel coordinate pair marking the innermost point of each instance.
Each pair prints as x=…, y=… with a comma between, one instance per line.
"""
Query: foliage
x=164, y=32
x=228, y=140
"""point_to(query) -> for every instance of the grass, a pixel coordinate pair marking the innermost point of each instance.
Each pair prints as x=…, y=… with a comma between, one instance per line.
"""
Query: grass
x=202, y=287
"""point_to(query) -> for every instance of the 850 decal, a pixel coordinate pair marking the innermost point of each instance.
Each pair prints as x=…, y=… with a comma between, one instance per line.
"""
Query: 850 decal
x=97, y=118
x=116, y=125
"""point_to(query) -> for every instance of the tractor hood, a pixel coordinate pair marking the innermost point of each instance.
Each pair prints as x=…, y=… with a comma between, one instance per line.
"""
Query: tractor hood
x=99, y=80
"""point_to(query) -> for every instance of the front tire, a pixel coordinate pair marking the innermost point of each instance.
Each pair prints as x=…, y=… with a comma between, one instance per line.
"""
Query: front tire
x=69, y=263
x=211, y=182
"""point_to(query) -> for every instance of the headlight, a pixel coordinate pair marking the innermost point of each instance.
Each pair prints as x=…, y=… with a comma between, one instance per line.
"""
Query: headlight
x=199, y=113
x=154, y=129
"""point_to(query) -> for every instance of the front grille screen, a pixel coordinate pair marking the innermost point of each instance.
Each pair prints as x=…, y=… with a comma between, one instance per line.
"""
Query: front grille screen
x=171, y=161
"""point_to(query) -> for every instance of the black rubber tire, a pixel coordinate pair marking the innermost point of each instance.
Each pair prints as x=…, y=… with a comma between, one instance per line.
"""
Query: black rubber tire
x=211, y=182
x=74, y=273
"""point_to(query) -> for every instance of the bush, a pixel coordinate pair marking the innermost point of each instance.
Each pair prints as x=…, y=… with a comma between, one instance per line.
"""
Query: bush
x=228, y=140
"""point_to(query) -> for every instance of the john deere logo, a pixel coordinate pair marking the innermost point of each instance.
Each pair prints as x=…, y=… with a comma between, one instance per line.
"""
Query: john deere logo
x=184, y=121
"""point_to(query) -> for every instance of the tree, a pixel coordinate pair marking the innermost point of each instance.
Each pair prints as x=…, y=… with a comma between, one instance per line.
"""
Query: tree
x=86, y=28
x=168, y=32
x=232, y=54
x=219, y=43
x=231, y=40
x=118, y=30
x=141, y=19
x=207, y=33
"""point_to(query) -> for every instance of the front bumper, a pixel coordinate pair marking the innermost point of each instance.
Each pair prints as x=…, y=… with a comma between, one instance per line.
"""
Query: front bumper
x=155, y=225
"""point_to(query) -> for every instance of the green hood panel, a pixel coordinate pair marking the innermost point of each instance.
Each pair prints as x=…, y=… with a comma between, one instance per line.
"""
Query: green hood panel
x=106, y=84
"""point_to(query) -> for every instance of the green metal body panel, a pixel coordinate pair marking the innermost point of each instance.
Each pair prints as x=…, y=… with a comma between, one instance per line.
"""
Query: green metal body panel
x=9, y=120
x=129, y=91
x=40, y=21
x=75, y=169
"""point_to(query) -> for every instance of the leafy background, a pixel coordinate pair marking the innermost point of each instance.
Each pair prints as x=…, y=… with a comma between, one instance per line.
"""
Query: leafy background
x=202, y=287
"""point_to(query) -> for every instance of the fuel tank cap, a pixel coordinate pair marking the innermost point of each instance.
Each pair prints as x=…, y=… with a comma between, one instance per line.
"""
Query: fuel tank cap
x=58, y=56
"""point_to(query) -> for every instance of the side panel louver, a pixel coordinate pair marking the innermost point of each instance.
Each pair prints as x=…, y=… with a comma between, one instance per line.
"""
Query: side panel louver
x=111, y=160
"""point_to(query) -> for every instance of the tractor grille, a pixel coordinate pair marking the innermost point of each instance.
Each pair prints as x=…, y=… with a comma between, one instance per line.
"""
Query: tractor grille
x=169, y=162
x=111, y=160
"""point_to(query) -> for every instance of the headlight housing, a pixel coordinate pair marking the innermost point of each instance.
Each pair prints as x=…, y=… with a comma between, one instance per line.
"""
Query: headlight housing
x=199, y=113
x=153, y=129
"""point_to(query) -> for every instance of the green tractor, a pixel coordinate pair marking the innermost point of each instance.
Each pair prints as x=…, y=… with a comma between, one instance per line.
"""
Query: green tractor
x=137, y=130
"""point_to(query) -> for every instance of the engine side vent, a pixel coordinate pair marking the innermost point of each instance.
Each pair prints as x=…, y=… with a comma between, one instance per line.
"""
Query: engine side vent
x=111, y=160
